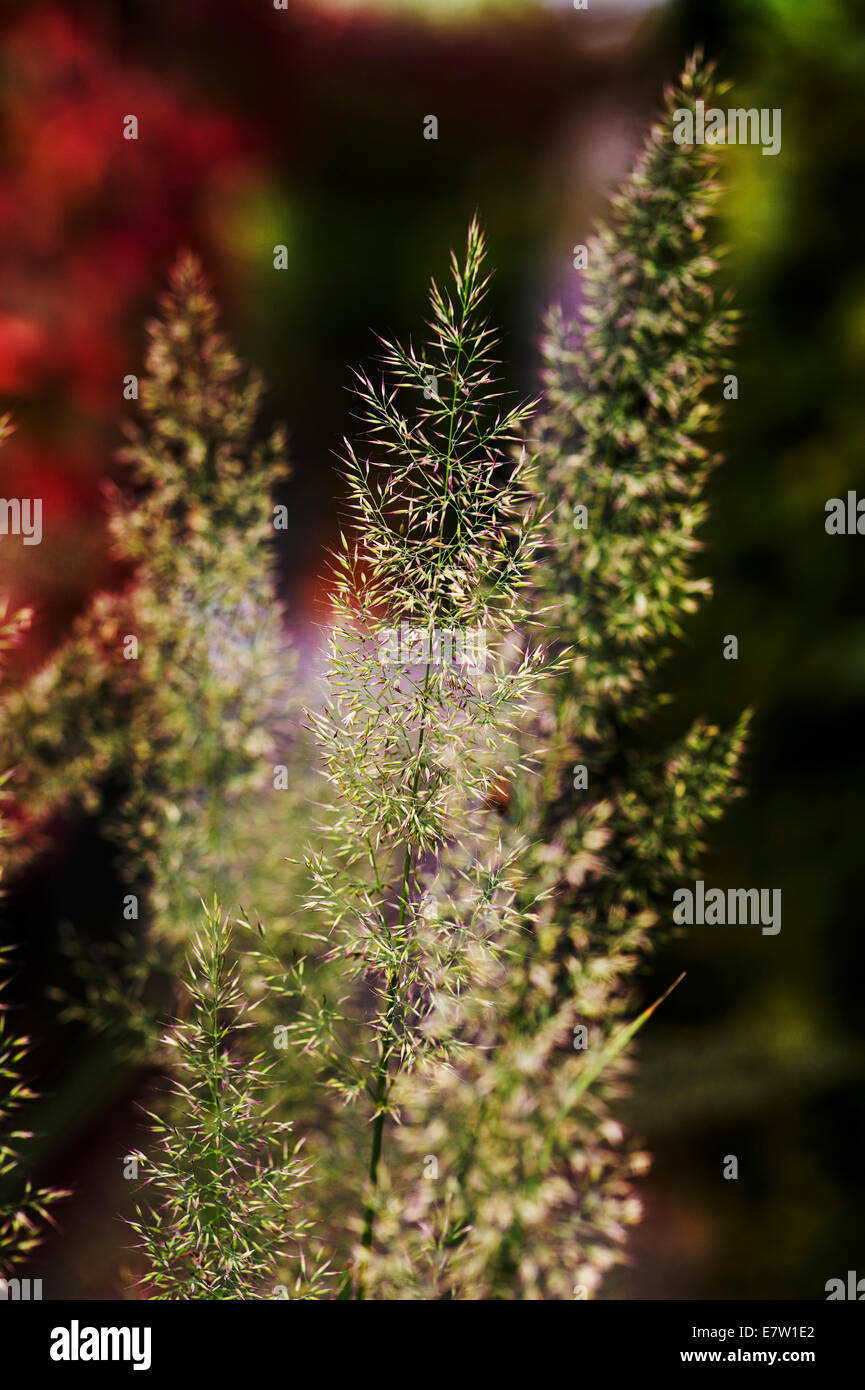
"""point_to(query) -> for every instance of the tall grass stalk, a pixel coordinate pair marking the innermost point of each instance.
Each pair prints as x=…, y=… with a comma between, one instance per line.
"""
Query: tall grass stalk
x=443, y=541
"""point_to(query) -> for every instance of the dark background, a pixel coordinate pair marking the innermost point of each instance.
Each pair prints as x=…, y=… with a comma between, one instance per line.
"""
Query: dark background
x=305, y=128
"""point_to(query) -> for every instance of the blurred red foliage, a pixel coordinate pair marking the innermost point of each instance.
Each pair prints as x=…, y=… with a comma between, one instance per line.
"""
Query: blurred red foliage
x=91, y=223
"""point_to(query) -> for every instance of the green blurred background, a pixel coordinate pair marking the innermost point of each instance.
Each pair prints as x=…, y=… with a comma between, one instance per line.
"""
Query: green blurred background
x=304, y=127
